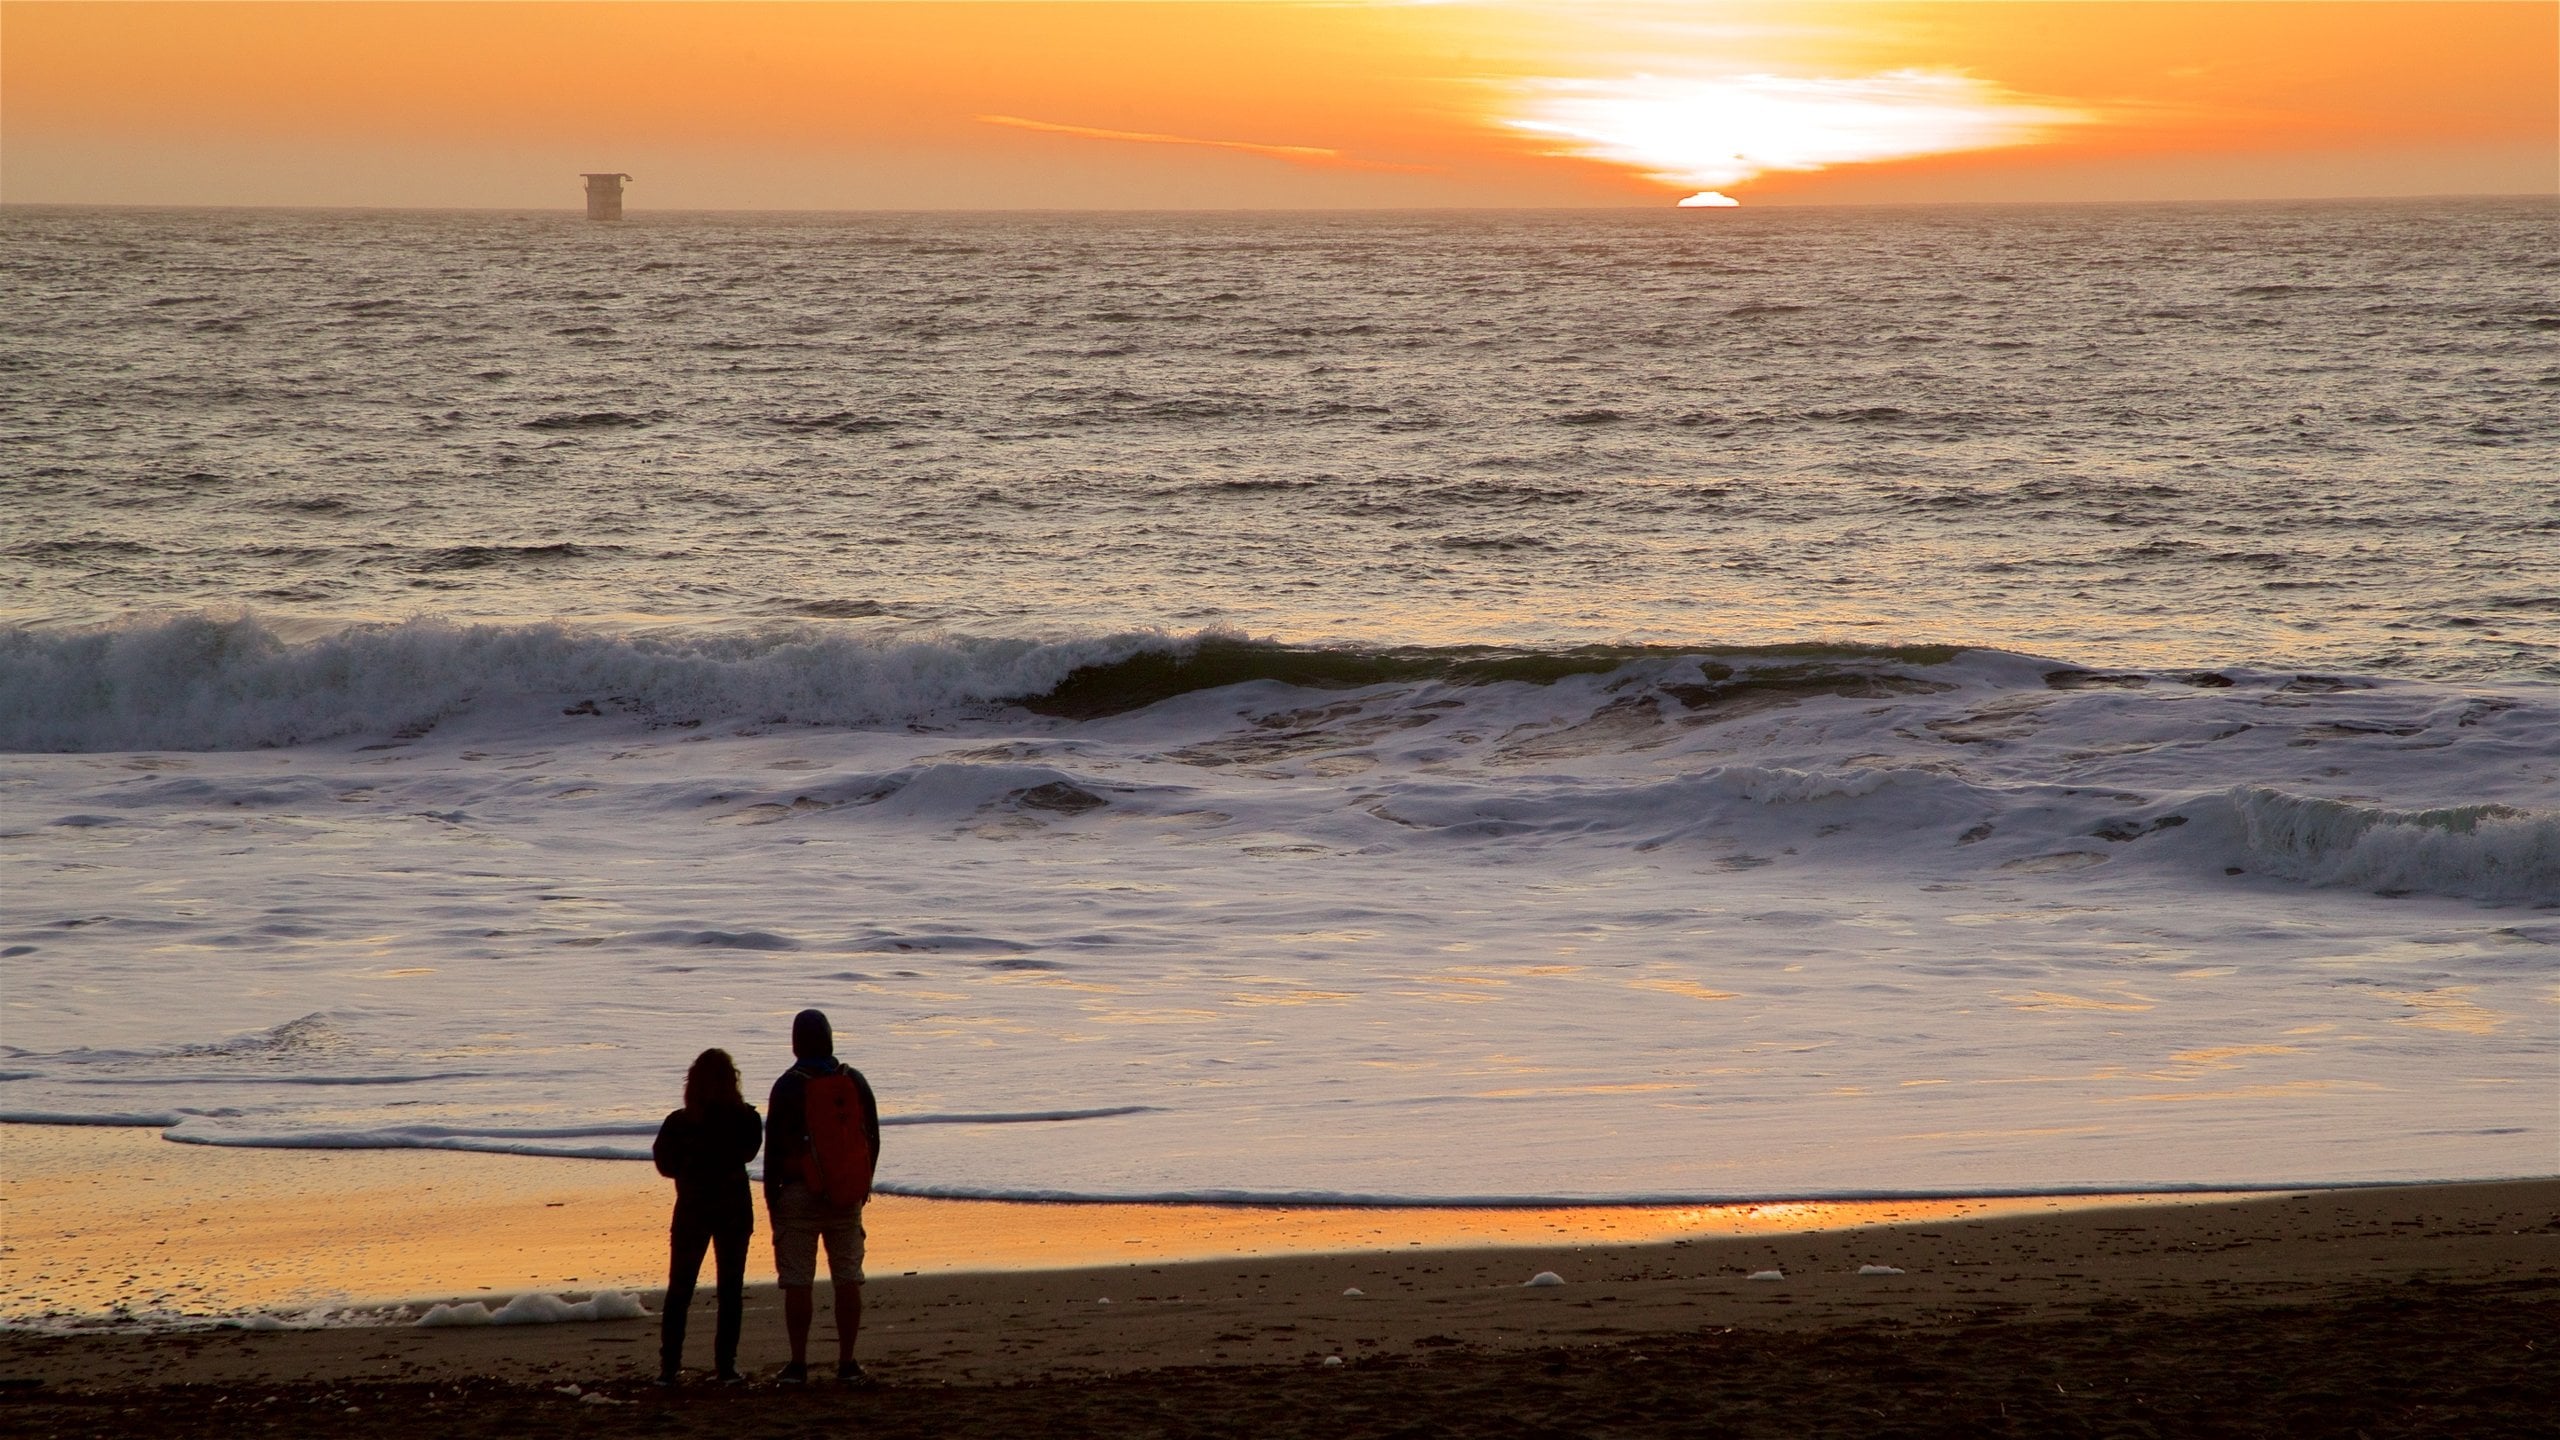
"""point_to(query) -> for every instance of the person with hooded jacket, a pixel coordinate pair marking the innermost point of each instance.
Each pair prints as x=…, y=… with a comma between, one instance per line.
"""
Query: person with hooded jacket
x=801, y=1218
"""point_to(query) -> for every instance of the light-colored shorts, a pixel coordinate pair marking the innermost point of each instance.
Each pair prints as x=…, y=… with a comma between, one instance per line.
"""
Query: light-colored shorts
x=800, y=1221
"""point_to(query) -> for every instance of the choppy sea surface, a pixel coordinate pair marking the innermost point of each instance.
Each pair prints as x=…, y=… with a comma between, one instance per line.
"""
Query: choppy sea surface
x=1491, y=707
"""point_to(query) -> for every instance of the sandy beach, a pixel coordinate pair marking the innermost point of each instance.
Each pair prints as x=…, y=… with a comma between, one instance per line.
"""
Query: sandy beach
x=1487, y=718
x=2401, y=1310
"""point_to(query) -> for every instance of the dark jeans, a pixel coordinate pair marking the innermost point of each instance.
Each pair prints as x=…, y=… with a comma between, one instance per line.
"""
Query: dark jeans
x=686, y=1241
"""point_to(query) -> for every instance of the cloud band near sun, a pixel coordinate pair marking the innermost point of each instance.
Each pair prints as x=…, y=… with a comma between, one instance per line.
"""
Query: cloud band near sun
x=1719, y=131
x=1294, y=154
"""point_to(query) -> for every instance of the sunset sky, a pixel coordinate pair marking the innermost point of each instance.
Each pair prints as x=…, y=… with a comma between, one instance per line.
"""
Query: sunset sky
x=1196, y=103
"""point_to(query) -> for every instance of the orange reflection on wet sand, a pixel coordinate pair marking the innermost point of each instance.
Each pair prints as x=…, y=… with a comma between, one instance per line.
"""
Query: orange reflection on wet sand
x=102, y=1218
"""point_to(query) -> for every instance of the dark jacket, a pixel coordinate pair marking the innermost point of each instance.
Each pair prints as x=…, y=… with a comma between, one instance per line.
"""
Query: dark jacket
x=707, y=1157
x=786, y=1126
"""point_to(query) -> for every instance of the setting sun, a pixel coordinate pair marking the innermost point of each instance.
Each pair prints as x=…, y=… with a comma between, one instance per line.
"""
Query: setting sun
x=1713, y=132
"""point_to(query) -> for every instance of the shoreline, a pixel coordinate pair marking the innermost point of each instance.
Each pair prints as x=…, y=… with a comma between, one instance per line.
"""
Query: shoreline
x=2309, y=1254
x=140, y=1232
x=2408, y=1310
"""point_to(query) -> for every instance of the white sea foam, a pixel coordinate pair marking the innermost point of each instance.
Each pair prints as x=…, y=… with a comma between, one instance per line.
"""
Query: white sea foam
x=1662, y=926
x=132, y=1119
x=162, y=1320
x=607, y=1141
x=2490, y=852
x=489, y=1140
x=198, y=682
x=539, y=1309
x=534, y=1308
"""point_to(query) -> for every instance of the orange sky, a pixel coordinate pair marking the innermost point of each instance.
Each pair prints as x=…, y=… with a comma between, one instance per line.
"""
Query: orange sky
x=1072, y=104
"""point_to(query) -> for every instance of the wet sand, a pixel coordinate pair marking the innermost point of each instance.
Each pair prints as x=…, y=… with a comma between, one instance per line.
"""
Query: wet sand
x=2410, y=1310
x=105, y=1217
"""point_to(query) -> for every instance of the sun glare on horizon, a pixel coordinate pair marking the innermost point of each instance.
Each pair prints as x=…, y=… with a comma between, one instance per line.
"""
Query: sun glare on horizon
x=1714, y=132
x=1273, y=104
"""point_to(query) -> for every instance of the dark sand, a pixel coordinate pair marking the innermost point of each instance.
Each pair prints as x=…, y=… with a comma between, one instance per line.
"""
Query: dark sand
x=2411, y=1360
x=2425, y=1310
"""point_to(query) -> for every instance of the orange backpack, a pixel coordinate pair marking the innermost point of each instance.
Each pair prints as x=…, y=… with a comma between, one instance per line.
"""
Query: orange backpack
x=838, y=1169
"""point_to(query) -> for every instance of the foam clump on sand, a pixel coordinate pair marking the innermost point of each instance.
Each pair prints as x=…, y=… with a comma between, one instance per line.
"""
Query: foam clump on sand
x=1542, y=1280
x=1878, y=1270
x=266, y=1322
x=534, y=1308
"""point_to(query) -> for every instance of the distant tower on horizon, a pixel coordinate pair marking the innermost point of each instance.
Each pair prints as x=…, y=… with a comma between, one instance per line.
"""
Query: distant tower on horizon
x=604, y=196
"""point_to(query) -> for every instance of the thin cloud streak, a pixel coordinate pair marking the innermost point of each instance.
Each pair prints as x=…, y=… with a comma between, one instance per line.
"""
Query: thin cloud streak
x=1294, y=154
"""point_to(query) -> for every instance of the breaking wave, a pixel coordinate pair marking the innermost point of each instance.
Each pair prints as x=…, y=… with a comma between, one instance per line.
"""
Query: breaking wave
x=2020, y=762
x=2485, y=852
x=205, y=682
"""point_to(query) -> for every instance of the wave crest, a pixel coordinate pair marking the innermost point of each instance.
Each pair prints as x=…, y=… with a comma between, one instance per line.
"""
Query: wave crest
x=2484, y=852
x=208, y=682
x=202, y=682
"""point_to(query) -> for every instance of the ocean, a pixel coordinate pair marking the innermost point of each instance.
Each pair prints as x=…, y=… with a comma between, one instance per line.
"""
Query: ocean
x=1484, y=707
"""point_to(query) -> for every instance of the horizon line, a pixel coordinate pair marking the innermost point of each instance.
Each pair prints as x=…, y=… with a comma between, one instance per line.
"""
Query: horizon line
x=1666, y=207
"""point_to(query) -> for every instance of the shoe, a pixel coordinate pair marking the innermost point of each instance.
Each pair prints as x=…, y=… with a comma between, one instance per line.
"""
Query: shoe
x=850, y=1372
x=670, y=1379
x=794, y=1373
x=731, y=1377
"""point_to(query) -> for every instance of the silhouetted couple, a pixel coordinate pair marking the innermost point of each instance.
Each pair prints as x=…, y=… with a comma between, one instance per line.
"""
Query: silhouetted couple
x=821, y=1140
